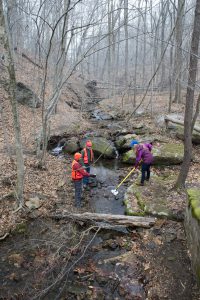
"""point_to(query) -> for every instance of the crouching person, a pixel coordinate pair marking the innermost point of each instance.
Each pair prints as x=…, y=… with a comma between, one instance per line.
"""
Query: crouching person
x=78, y=173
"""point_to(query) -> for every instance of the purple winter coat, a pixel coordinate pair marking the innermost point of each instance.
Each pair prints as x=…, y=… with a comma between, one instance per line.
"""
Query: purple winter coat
x=144, y=153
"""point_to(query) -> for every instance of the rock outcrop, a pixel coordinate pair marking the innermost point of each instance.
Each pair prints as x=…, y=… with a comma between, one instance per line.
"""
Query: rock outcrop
x=25, y=96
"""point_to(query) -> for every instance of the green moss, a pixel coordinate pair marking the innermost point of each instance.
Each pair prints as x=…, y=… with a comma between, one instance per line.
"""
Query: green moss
x=198, y=274
x=128, y=157
x=120, y=142
x=193, y=194
x=176, y=149
x=197, y=213
x=155, y=202
x=21, y=228
x=194, y=202
x=129, y=212
x=139, y=200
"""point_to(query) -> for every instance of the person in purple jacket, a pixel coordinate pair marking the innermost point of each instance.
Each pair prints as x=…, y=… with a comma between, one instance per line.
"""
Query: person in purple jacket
x=143, y=154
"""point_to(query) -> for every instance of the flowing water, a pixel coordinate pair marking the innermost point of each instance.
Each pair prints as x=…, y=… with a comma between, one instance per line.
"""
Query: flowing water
x=27, y=259
x=103, y=201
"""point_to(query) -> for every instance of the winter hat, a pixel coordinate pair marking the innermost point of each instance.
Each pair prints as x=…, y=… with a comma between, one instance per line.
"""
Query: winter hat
x=133, y=143
x=77, y=156
x=88, y=143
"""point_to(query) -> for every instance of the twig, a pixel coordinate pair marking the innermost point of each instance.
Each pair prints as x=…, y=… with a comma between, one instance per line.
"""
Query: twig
x=4, y=236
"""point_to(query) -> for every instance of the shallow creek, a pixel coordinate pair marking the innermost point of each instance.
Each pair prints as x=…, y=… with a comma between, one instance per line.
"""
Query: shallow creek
x=108, y=265
x=102, y=200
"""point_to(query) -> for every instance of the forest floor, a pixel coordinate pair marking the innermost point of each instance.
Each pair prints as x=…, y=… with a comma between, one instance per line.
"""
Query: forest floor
x=143, y=264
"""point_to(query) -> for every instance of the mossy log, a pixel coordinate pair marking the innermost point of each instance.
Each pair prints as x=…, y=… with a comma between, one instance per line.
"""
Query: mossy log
x=114, y=220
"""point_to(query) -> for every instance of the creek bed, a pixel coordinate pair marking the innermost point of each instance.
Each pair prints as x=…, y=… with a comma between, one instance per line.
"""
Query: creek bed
x=109, y=265
x=102, y=200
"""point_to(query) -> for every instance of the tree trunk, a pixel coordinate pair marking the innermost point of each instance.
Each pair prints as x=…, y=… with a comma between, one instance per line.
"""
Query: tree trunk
x=109, y=42
x=178, y=50
x=136, y=56
x=145, y=46
x=126, y=41
x=6, y=45
x=170, y=68
x=163, y=21
x=190, y=99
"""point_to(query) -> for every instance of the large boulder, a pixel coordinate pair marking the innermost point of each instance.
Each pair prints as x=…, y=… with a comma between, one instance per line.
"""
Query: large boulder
x=165, y=154
x=176, y=129
x=168, y=154
x=140, y=128
x=100, y=146
x=122, y=142
x=179, y=131
x=155, y=198
x=25, y=96
x=71, y=146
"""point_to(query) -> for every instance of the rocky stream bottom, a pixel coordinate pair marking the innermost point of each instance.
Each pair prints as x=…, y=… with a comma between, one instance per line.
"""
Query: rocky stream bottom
x=59, y=259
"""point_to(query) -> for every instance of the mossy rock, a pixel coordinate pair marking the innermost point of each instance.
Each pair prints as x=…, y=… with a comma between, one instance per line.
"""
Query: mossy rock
x=179, y=132
x=128, y=157
x=71, y=146
x=123, y=142
x=21, y=228
x=100, y=146
x=194, y=201
x=168, y=154
x=140, y=130
x=165, y=154
x=151, y=199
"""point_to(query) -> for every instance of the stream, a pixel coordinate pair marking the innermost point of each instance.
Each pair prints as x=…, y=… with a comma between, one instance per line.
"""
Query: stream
x=102, y=200
x=52, y=259
x=102, y=265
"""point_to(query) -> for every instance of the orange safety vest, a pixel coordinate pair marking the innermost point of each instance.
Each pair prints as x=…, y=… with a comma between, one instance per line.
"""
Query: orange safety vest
x=76, y=175
x=85, y=158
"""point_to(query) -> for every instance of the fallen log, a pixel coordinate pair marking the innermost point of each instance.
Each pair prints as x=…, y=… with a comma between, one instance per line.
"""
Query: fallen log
x=179, y=122
x=119, y=220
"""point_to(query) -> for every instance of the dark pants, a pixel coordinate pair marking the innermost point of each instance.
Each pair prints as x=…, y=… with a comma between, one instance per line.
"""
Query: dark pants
x=85, y=178
x=78, y=192
x=145, y=172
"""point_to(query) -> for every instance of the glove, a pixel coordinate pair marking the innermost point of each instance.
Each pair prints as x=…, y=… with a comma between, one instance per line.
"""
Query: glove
x=93, y=175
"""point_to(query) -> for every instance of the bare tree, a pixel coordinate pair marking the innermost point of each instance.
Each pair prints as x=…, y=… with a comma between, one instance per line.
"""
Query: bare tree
x=188, y=124
x=10, y=83
x=126, y=41
x=178, y=50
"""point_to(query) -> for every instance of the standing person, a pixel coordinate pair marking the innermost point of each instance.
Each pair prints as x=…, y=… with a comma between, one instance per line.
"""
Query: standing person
x=78, y=173
x=143, y=153
x=88, y=159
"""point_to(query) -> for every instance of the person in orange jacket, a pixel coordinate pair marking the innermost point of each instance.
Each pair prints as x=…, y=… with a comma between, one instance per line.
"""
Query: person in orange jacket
x=88, y=159
x=78, y=173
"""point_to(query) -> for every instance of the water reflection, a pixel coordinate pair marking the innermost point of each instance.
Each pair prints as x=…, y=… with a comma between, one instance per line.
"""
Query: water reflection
x=102, y=200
